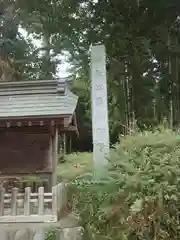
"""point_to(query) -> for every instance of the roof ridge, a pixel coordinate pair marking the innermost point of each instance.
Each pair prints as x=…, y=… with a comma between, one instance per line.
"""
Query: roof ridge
x=33, y=87
x=29, y=83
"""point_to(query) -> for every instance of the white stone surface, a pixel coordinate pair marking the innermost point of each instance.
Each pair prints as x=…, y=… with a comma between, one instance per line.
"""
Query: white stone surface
x=99, y=106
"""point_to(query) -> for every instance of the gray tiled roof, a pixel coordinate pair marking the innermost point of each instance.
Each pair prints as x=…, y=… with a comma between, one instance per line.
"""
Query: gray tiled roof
x=35, y=99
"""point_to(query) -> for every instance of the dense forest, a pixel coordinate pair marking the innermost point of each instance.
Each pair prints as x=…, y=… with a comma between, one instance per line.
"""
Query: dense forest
x=142, y=40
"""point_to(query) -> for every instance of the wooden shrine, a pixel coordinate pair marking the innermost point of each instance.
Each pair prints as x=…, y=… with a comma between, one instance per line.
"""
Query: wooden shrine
x=32, y=115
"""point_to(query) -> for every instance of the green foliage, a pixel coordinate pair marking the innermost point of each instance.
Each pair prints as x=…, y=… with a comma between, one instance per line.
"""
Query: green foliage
x=82, y=88
x=51, y=234
x=139, y=198
x=138, y=86
x=142, y=62
x=12, y=44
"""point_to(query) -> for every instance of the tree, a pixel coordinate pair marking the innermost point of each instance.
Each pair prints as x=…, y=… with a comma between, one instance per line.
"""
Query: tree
x=14, y=49
x=139, y=59
x=142, y=42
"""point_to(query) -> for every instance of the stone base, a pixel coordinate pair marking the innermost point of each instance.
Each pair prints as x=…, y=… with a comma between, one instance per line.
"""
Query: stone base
x=66, y=229
x=75, y=233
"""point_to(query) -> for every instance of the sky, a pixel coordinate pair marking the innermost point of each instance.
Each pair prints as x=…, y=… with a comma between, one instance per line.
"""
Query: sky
x=62, y=69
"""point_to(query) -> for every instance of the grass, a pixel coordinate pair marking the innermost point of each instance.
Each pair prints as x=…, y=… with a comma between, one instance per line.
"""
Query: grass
x=75, y=164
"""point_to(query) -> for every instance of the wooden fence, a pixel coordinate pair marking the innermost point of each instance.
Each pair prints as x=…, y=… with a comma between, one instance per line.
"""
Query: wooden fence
x=28, y=207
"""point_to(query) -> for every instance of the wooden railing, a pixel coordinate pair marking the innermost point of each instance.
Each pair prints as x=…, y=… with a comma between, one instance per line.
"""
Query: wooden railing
x=28, y=207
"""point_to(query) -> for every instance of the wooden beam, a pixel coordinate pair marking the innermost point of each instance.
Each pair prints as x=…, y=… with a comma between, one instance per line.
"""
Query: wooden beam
x=4, y=176
x=39, y=126
x=30, y=121
x=27, y=129
x=37, y=129
x=36, y=118
x=28, y=219
x=68, y=129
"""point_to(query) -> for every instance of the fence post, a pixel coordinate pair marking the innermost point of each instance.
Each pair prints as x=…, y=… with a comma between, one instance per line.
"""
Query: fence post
x=41, y=200
x=40, y=235
x=14, y=202
x=54, y=200
x=62, y=197
x=27, y=198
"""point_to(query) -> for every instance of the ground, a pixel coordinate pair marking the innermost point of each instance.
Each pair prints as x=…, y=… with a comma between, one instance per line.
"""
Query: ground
x=75, y=164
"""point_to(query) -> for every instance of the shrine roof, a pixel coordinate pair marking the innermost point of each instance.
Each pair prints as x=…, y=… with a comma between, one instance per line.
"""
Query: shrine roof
x=43, y=98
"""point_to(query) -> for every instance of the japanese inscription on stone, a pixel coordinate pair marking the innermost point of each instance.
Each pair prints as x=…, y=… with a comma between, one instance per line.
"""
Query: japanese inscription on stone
x=99, y=105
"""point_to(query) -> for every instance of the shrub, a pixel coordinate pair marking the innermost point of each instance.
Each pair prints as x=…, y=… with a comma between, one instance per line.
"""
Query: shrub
x=139, y=198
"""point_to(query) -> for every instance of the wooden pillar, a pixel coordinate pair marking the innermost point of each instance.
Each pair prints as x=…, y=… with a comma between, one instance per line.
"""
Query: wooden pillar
x=54, y=156
x=50, y=162
x=64, y=144
x=60, y=151
x=70, y=143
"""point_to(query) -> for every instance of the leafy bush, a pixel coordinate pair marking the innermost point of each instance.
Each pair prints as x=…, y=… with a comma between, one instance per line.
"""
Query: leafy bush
x=139, y=198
